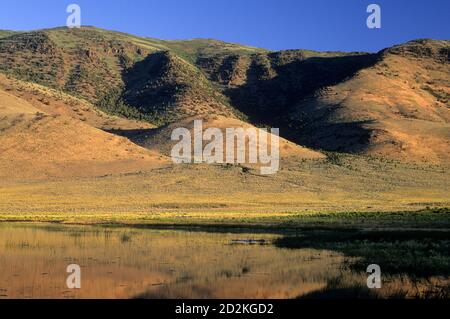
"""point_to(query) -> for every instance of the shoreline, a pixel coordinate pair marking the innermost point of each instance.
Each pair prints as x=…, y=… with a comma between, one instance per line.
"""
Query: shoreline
x=436, y=220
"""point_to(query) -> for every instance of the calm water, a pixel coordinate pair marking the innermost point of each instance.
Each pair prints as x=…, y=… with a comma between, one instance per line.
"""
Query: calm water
x=127, y=263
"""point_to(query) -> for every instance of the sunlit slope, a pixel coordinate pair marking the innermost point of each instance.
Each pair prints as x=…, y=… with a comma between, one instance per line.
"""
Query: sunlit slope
x=392, y=104
x=12, y=105
x=38, y=145
x=398, y=108
x=110, y=69
x=6, y=33
x=160, y=139
x=54, y=102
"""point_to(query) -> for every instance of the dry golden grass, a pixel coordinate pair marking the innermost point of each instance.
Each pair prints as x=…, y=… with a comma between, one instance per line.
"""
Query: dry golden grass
x=45, y=147
x=160, y=140
x=404, y=102
x=10, y=104
x=199, y=194
x=54, y=102
x=38, y=145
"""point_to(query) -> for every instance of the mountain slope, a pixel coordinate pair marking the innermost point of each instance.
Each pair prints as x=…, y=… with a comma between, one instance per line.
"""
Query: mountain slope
x=37, y=145
x=398, y=108
x=6, y=33
x=160, y=139
x=109, y=69
x=167, y=88
x=392, y=104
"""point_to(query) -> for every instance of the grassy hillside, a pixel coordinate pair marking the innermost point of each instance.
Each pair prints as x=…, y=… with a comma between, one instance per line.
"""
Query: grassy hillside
x=34, y=144
x=392, y=104
x=166, y=88
x=192, y=50
x=6, y=33
x=66, y=95
x=110, y=69
x=397, y=108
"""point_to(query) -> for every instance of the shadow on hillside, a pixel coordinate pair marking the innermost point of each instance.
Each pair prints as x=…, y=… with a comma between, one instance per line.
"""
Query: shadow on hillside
x=271, y=101
x=137, y=136
x=144, y=83
x=351, y=137
x=268, y=99
x=151, y=87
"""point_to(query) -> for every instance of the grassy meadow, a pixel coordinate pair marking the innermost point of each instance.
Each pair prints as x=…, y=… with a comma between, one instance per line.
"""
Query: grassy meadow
x=343, y=191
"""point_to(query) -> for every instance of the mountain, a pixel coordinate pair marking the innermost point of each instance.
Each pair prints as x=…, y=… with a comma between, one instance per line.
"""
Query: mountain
x=86, y=117
x=6, y=33
x=166, y=88
x=160, y=139
x=119, y=72
x=397, y=107
x=35, y=144
x=392, y=104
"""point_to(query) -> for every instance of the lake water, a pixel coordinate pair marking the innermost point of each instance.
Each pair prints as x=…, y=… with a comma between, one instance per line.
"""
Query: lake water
x=130, y=263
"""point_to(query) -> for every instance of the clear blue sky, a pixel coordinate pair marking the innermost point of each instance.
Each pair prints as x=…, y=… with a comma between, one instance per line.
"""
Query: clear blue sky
x=271, y=24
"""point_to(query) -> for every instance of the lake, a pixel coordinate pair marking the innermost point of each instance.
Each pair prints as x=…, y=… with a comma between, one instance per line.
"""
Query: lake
x=119, y=262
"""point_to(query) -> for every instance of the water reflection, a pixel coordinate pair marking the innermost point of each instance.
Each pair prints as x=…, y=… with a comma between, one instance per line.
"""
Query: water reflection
x=129, y=263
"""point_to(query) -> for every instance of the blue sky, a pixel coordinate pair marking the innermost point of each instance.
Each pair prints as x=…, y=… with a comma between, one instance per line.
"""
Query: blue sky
x=275, y=25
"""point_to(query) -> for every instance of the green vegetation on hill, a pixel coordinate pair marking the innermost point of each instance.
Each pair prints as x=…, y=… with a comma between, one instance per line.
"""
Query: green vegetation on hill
x=6, y=33
x=141, y=78
x=113, y=103
x=168, y=88
x=192, y=50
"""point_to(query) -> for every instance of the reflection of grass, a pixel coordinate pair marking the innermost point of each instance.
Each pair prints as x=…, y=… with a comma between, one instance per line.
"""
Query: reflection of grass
x=418, y=253
x=195, y=264
x=348, y=286
x=162, y=264
x=339, y=288
x=125, y=238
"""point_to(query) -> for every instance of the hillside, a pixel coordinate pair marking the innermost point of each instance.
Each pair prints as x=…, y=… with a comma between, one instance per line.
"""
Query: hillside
x=37, y=145
x=6, y=33
x=160, y=139
x=86, y=118
x=165, y=88
x=392, y=104
x=397, y=108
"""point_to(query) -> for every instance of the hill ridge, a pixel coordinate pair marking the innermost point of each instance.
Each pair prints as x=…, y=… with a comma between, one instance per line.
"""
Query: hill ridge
x=334, y=101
